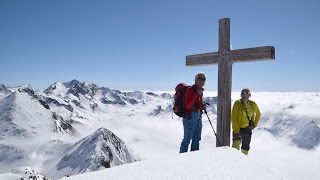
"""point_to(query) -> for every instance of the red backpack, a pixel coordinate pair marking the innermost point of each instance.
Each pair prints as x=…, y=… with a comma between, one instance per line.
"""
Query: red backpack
x=178, y=107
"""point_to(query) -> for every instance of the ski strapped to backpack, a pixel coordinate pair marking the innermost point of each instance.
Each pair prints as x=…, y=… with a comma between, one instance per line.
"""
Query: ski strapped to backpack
x=178, y=106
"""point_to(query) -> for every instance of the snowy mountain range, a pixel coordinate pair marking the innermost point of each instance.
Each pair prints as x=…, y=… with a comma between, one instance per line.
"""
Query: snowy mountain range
x=76, y=127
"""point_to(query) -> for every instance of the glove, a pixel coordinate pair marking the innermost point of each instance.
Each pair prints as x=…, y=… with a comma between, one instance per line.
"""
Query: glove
x=236, y=136
x=200, y=91
x=251, y=126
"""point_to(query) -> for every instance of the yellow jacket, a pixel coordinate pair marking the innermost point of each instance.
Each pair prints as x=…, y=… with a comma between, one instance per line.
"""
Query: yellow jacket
x=239, y=116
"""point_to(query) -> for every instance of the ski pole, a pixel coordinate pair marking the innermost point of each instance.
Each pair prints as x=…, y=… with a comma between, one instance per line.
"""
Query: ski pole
x=212, y=126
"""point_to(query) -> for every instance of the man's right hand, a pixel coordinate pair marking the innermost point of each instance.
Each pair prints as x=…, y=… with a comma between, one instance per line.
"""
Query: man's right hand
x=200, y=91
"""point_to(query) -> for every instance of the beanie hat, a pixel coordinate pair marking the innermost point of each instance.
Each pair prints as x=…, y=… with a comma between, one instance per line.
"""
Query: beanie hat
x=246, y=91
x=200, y=75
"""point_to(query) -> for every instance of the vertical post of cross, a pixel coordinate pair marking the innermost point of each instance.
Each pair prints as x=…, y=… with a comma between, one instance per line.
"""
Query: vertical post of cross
x=224, y=84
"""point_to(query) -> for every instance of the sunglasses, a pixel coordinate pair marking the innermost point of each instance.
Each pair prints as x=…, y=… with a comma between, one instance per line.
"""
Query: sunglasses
x=201, y=79
x=245, y=92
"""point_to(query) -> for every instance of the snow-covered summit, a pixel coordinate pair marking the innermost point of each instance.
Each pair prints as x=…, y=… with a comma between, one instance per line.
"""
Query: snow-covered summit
x=102, y=149
x=74, y=87
x=221, y=163
x=76, y=91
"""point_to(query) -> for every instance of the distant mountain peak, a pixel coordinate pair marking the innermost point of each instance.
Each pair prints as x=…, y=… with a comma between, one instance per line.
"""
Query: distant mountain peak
x=101, y=149
x=308, y=137
x=77, y=83
x=4, y=91
x=74, y=87
x=27, y=89
x=3, y=87
x=73, y=83
x=51, y=88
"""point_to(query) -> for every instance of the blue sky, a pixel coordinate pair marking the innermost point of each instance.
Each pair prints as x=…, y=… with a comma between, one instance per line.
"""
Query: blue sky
x=141, y=45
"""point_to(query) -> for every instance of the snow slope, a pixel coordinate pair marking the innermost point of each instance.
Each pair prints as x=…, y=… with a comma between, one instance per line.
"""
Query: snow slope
x=220, y=163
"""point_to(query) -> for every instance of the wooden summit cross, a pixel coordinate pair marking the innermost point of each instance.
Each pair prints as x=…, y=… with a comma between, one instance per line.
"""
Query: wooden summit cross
x=224, y=58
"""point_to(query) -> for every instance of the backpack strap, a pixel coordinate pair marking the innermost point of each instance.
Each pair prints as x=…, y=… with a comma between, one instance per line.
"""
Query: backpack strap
x=250, y=120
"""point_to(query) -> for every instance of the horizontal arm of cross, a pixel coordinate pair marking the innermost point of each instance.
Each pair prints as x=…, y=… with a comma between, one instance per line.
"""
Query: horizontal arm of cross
x=240, y=55
x=252, y=54
x=202, y=59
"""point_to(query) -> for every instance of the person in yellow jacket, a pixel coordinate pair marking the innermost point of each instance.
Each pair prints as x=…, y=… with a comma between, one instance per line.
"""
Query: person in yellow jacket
x=245, y=117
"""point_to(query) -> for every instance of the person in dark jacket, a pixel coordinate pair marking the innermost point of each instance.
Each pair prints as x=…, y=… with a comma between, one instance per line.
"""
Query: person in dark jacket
x=192, y=126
